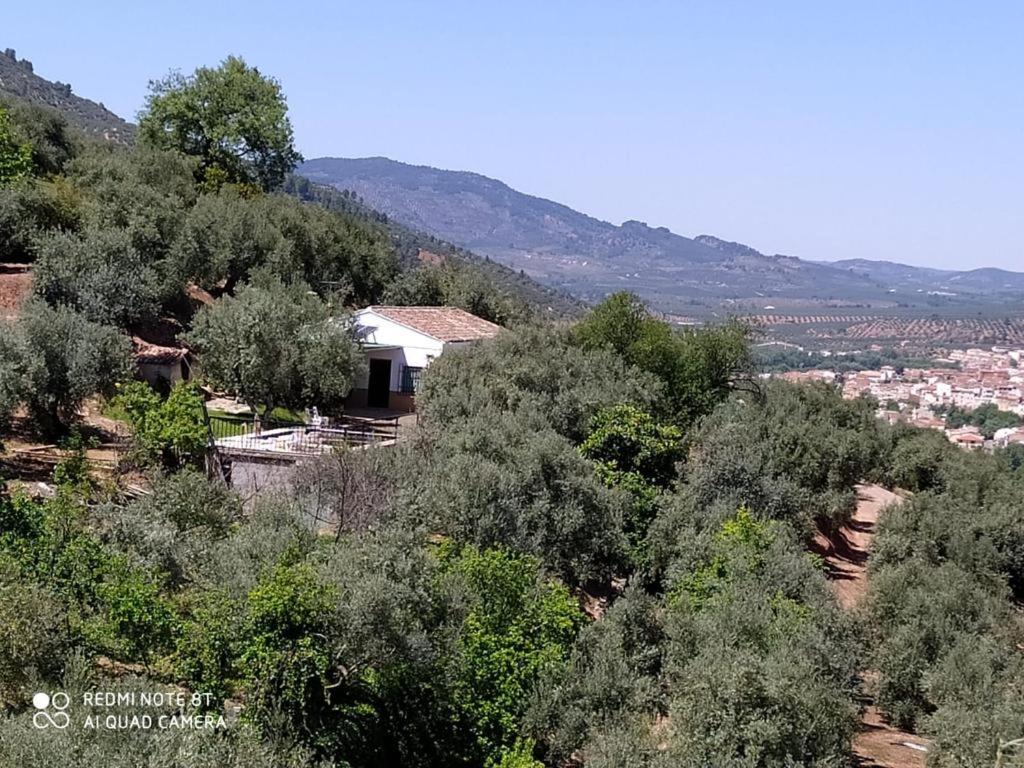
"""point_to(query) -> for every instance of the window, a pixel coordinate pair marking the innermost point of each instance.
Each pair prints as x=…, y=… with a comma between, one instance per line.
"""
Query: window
x=410, y=379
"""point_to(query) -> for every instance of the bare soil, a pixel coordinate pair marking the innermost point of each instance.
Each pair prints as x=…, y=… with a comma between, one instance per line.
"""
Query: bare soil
x=877, y=744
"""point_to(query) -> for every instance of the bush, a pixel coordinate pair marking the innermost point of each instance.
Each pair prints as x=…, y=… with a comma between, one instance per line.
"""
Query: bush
x=33, y=636
x=517, y=629
x=170, y=432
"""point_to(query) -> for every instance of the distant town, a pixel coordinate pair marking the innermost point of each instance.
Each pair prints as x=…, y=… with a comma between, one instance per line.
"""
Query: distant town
x=975, y=396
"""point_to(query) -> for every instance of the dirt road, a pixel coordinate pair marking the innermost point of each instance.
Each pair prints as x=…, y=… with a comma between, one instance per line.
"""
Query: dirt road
x=877, y=744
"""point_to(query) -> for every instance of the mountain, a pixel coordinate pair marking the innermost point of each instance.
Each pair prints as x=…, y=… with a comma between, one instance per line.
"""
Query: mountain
x=18, y=80
x=986, y=280
x=589, y=257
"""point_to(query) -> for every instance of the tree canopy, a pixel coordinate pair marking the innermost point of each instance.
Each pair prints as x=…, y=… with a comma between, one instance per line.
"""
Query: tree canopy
x=278, y=345
x=233, y=118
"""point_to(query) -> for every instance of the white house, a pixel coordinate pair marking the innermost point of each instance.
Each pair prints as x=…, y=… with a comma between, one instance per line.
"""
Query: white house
x=402, y=341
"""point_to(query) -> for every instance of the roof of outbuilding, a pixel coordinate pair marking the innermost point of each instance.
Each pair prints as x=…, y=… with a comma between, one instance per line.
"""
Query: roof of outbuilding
x=155, y=354
x=442, y=323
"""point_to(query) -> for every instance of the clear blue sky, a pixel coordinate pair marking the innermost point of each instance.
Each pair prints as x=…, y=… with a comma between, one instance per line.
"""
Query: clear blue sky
x=887, y=130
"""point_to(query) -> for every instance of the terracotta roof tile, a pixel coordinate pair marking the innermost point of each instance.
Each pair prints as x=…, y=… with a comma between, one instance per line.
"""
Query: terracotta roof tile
x=442, y=323
x=154, y=354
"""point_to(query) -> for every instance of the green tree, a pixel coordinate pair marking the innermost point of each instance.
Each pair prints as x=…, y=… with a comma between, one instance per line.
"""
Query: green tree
x=531, y=369
x=278, y=345
x=33, y=633
x=15, y=156
x=99, y=274
x=12, y=373
x=46, y=132
x=285, y=661
x=627, y=439
x=637, y=454
x=233, y=118
x=511, y=481
x=698, y=368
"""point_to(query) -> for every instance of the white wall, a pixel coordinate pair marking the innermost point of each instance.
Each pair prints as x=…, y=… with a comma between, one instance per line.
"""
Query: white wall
x=415, y=349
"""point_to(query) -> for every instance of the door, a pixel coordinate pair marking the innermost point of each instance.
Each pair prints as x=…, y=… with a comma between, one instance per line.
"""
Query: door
x=380, y=384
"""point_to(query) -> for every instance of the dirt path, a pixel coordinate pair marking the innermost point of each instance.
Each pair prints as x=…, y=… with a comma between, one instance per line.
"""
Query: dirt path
x=877, y=744
x=846, y=552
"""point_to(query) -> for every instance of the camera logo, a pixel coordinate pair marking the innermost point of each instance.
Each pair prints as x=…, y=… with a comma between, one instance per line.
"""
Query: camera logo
x=50, y=710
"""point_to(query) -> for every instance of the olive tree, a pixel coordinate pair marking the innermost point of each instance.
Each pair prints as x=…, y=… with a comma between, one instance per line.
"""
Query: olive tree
x=99, y=274
x=67, y=358
x=278, y=345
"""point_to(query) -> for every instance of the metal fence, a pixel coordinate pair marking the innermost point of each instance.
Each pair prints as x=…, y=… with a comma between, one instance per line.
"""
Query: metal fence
x=246, y=434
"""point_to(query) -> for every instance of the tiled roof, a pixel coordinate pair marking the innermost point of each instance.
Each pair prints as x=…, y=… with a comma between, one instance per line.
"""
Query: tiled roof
x=442, y=323
x=154, y=354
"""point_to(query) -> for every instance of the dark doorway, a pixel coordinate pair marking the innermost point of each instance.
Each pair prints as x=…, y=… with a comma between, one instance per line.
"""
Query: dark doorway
x=380, y=384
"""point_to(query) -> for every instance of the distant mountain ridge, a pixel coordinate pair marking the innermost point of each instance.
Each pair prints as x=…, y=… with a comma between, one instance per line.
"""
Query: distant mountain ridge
x=19, y=80
x=19, y=83
x=589, y=257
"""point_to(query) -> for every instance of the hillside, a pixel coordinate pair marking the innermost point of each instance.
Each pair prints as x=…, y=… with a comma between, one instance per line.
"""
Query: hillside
x=18, y=80
x=589, y=257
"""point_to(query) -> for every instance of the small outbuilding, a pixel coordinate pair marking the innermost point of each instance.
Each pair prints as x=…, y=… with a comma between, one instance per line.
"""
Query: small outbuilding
x=401, y=342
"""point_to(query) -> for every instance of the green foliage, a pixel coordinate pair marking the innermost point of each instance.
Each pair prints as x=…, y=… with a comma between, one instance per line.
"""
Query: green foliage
x=208, y=644
x=761, y=666
x=65, y=358
x=284, y=662
x=232, y=118
x=51, y=142
x=32, y=208
x=515, y=483
x=171, y=431
x=794, y=455
x=612, y=681
x=454, y=285
x=740, y=537
x=172, y=530
x=638, y=455
x=278, y=345
x=626, y=439
x=518, y=628
x=142, y=196
x=99, y=274
x=915, y=458
x=33, y=636
x=988, y=418
x=15, y=156
x=947, y=570
x=530, y=369
x=697, y=368
x=132, y=620
x=11, y=373
x=112, y=606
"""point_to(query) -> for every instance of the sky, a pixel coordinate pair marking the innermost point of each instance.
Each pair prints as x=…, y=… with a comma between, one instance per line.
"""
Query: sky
x=884, y=130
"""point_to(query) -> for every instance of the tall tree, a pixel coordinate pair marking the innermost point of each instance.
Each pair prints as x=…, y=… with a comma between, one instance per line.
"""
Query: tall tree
x=232, y=117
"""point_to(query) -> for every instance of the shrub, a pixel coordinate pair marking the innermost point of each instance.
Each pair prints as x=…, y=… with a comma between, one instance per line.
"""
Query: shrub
x=170, y=432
